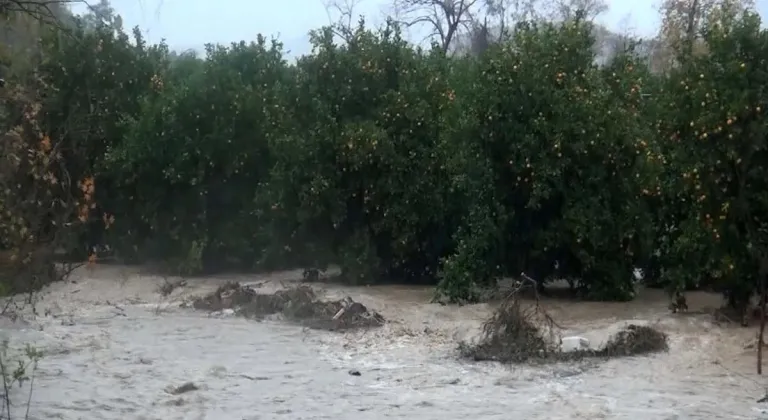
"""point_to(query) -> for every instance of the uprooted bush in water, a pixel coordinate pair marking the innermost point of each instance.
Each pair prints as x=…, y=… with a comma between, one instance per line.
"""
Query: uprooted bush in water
x=518, y=333
x=299, y=304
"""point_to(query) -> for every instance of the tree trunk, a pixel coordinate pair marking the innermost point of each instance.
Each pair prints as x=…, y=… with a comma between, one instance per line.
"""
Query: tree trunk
x=763, y=273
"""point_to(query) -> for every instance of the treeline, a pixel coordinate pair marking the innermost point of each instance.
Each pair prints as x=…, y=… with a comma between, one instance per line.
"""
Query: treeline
x=399, y=163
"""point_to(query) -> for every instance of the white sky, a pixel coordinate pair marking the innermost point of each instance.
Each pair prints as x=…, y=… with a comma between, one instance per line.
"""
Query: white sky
x=186, y=24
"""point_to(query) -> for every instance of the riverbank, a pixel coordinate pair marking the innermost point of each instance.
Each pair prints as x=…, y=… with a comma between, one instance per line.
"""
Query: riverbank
x=115, y=346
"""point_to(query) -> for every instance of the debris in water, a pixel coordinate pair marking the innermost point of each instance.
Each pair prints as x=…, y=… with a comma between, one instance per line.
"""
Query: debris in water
x=69, y=321
x=635, y=340
x=354, y=372
x=517, y=333
x=169, y=287
x=255, y=378
x=568, y=344
x=222, y=313
x=752, y=344
x=679, y=304
x=311, y=275
x=514, y=332
x=298, y=304
x=187, y=387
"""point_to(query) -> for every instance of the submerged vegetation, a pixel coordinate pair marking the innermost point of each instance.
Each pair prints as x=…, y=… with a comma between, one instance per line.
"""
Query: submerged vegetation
x=298, y=304
x=520, y=330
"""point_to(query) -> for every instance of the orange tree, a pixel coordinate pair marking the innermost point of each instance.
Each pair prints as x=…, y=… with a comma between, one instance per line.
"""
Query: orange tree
x=570, y=159
x=97, y=78
x=41, y=206
x=194, y=160
x=639, y=90
x=714, y=136
x=360, y=180
x=47, y=192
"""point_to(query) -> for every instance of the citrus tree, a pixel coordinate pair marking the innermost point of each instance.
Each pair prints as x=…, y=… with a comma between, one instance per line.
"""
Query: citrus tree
x=96, y=77
x=191, y=162
x=571, y=160
x=715, y=133
x=361, y=180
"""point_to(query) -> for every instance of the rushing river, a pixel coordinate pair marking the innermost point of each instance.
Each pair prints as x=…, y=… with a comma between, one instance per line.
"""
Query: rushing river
x=113, y=348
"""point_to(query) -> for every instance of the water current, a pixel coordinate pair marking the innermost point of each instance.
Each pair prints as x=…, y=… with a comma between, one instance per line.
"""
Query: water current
x=114, y=348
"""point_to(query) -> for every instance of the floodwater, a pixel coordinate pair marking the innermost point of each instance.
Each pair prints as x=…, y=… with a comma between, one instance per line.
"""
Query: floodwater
x=114, y=348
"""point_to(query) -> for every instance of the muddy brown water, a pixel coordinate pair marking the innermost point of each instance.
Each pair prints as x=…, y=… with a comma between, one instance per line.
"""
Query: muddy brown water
x=115, y=349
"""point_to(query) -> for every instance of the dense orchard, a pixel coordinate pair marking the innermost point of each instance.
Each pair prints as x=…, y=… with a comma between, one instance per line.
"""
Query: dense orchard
x=398, y=163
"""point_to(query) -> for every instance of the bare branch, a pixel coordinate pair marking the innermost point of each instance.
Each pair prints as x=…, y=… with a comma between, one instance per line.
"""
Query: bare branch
x=342, y=24
x=681, y=22
x=567, y=9
x=445, y=18
x=44, y=11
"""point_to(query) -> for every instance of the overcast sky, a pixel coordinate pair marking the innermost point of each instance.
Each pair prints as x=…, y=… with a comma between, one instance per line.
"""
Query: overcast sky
x=186, y=24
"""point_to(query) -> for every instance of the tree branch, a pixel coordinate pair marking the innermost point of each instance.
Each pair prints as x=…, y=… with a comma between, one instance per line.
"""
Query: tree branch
x=445, y=17
x=37, y=9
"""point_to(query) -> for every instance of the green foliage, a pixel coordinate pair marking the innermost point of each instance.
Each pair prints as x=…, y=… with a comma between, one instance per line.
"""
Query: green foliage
x=98, y=79
x=399, y=163
x=363, y=178
x=569, y=157
x=716, y=144
x=196, y=153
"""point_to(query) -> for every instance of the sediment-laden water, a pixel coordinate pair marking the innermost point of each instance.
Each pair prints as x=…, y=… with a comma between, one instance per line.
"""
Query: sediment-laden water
x=114, y=349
